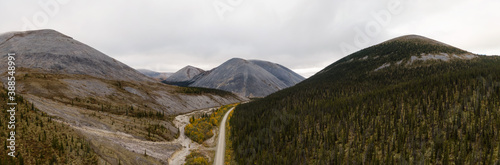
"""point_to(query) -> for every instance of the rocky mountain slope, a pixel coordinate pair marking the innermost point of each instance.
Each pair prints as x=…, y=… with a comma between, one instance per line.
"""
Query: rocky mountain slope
x=53, y=52
x=100, y=96
x=409, y=100
x=249, y=78
x=160, y=76
x=60, y=58
x=285, y=75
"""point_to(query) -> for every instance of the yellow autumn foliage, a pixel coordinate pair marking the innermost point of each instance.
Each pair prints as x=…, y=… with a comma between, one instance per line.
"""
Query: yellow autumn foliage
x=200, y=129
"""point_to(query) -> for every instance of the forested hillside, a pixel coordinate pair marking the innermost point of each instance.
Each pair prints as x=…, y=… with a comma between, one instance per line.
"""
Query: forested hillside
x=39, y=139
x=387, y=104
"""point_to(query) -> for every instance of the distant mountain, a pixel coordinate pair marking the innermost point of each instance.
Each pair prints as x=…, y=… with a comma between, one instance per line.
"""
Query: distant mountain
x=161, y=76
x=249, y=78
x=409, y=100
x=185, y=74
x=100, y=97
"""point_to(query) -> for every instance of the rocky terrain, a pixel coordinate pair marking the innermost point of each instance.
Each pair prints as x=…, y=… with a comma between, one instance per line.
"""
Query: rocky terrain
x=106, y=100
x=248, y=78
x=53, y=52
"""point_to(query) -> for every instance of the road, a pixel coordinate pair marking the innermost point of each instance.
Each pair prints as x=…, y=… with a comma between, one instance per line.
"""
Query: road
x=221, y=144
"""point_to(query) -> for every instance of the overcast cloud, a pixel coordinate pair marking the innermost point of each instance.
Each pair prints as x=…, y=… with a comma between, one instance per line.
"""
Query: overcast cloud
x=303, y=35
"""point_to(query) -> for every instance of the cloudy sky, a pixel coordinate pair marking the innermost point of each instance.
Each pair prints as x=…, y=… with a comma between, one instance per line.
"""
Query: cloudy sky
x=303, y=35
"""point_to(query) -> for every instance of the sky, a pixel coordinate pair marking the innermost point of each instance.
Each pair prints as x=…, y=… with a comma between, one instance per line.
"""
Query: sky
x=303, y=35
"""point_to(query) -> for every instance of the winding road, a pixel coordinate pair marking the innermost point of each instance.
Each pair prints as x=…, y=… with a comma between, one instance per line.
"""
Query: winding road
x=221, y=143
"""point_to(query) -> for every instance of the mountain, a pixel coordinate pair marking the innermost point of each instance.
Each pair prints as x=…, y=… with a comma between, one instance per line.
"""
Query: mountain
x=250, y=78
x=51, y=51
x=161, y=76
x=115, y=108
x=402, y=51
x=409, y=100
x=185, y=74
x=285, y=75
x=81, y=71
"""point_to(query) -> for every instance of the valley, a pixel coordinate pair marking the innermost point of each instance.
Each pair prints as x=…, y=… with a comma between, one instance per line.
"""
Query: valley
x=187, y=144
x=408, y=100
x=238, y=82
x=121, y=146
x=123, y=116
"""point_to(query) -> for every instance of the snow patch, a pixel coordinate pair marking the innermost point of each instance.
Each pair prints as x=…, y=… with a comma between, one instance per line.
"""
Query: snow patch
x=364, y=58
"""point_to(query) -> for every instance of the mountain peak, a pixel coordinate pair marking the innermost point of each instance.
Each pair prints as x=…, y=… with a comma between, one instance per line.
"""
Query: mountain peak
x=188, y=67
x=415, y=39
x=250, y=78
x=45, y=32
x=401, y=51
x=405, y=47
x=411, y=37
x=185, y=74
x=236, y=60
x=38, y=33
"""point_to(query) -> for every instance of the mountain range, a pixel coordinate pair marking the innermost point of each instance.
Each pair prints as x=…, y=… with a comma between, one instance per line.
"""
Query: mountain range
x=110, y=104
x=409, y=100
x=249, y=78
x=160, y=76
